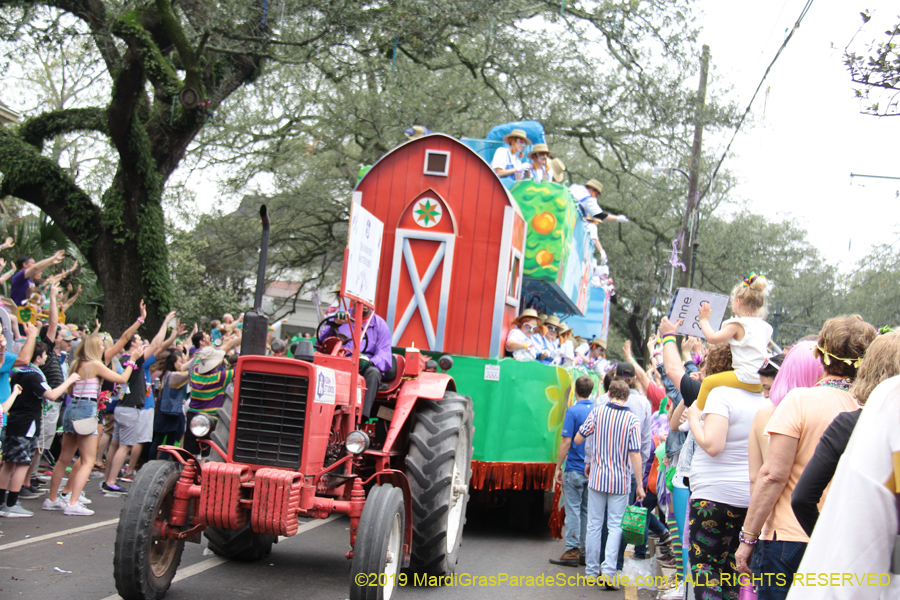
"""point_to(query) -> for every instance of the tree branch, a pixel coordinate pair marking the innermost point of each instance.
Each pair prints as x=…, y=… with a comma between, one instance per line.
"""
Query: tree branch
x=37, y=130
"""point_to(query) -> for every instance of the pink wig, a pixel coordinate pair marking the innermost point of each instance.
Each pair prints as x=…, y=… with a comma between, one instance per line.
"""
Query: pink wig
x=800, y=369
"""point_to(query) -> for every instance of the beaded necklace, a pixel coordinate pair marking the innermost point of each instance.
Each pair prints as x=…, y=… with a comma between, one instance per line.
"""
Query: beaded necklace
x=840, y=384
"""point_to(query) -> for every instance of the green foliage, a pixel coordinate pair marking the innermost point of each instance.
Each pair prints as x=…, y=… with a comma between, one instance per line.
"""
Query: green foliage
x=202, y=289
x=876, y=71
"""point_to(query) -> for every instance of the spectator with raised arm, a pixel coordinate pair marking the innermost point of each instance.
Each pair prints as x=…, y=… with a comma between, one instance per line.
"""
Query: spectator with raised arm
x=26, y=270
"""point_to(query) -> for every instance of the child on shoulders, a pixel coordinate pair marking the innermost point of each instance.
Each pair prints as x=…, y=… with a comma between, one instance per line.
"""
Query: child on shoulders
x=747, y=333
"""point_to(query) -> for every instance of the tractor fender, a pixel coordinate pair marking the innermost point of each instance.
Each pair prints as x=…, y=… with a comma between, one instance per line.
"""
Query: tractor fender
x=427, y=385
x=398, y=480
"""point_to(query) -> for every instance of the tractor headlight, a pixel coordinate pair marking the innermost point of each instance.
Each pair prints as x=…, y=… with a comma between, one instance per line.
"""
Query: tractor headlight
x=201, y=425
x=357, y=442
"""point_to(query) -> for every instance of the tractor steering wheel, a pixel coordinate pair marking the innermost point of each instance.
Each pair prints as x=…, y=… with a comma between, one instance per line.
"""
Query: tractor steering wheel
x=330, y=321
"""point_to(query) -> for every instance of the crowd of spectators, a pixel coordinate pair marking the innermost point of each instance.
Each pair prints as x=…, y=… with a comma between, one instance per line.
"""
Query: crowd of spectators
x=83, y=411
x=741, y=478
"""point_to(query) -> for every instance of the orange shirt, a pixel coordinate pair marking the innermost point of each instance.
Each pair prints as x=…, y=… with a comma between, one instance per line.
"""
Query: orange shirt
x=804, y=414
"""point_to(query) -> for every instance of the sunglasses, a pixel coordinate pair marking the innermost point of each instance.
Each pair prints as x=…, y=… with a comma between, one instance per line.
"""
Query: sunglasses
x=528, y=327
x=552, y=328
x=771, y=363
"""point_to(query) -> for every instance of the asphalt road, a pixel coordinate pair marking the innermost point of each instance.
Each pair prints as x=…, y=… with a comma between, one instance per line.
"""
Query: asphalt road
x=55, y=557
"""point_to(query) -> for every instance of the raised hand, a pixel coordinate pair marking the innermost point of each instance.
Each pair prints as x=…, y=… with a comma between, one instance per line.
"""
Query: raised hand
x=705, y=311
x=8, y=243
x=58, y=257
x=666, y=326
x=143, y=310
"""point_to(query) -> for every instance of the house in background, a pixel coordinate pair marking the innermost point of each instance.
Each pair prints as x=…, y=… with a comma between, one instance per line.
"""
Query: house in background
x=8, y=115
x=302, y=318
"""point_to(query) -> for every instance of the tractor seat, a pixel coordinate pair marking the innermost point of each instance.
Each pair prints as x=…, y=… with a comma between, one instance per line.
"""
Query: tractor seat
x=397, y=369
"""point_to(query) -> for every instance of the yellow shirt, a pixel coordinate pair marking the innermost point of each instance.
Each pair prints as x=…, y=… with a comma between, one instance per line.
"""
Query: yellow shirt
x=804, y=414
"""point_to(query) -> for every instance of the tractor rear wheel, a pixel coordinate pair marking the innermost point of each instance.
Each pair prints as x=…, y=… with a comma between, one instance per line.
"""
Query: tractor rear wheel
x=378, y=551
x=242, y=544
x=439, y=466
x=144, y=563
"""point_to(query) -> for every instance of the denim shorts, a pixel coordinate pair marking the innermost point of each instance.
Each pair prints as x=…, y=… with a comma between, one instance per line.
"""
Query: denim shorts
x=79, y=408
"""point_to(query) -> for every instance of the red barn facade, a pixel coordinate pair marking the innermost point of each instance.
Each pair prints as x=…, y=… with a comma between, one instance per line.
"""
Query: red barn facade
x=451, y=264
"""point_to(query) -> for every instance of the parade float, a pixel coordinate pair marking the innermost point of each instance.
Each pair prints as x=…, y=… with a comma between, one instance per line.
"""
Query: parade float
x=464, y=253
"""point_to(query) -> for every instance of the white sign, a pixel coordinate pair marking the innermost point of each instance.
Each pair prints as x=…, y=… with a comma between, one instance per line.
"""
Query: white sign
x=686, y=306
x=364, y=254
x=326, y=386
x=492, y=372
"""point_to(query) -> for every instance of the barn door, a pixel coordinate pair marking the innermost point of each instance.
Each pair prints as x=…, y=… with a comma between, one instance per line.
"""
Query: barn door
x=421, y=274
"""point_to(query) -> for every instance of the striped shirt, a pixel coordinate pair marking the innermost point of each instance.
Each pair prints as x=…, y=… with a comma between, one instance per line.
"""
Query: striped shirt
x=618, y=433
x=208, y=389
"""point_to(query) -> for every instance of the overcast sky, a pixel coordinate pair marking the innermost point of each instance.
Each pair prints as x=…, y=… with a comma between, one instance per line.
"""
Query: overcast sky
x=807, y=135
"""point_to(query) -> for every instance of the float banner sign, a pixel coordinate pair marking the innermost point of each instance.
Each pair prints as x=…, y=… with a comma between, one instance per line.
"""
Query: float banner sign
x=363, y=255
x=686, y=306
x=519, y=406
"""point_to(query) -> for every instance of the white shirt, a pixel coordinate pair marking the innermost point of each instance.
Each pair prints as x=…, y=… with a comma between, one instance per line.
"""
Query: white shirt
x=505, y=159
x=856, y=529
x=726, y=476
x=517, y=335
x=748, y=355
x=539, y=175
x=587, y=203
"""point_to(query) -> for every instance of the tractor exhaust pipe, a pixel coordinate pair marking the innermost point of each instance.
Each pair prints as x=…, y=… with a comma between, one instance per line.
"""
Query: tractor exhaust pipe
x=256, y=323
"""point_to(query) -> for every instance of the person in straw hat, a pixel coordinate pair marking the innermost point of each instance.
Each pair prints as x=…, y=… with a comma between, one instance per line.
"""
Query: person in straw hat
x=586, y=199
x=210, y=375
x=566, y=345
x=538, y=172
x=525, y=340
x=552, y=327
x=507, y=162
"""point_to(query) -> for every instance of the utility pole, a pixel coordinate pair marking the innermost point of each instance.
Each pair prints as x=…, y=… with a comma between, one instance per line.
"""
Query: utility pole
x=693, y=199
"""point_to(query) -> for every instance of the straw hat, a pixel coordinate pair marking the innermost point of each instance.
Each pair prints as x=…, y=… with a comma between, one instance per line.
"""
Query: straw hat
x=598, y=342
x=542, y=317
x=528, y=313
x=552, y=320
x=557, y=169
x=593, y=183
x=208, y=359
x=538, y=148
x=516, y=133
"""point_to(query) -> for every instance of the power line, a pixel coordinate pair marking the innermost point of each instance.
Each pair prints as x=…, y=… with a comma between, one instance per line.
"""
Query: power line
x=758, y=87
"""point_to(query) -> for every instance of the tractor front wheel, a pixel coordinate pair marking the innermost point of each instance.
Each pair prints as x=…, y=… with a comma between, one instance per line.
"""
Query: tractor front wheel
x=378, y=551
x=439, y=466
x=145, y=563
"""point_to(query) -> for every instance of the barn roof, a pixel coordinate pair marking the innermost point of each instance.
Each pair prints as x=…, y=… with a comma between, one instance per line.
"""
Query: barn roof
x=472, y=153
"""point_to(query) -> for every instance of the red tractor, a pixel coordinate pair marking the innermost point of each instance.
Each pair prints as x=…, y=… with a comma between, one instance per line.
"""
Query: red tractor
x=292, y=444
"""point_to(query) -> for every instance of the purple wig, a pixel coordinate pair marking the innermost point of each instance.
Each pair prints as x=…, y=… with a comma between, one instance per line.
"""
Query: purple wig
x=800, y=369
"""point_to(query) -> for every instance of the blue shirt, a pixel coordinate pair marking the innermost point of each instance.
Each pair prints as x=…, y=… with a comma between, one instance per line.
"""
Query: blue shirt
x=5, y=389
x=575, y=417
x=148, y=401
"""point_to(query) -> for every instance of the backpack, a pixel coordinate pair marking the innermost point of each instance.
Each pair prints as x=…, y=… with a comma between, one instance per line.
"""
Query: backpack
x=171, y=400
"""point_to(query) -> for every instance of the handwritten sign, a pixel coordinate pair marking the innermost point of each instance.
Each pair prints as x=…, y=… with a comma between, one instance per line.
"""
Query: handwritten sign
x=686, y=306
x=364, y=254
x=492, y=372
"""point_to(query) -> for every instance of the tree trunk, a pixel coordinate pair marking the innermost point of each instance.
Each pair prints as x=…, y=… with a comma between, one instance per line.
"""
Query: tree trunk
x=120, y=269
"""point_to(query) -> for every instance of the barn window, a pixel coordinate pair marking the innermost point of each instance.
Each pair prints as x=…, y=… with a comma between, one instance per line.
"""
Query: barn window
x=437, y=162
x=515, y=265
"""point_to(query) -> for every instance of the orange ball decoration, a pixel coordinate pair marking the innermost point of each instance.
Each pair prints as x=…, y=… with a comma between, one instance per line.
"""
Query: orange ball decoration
x=543, y=223
x=544, y=258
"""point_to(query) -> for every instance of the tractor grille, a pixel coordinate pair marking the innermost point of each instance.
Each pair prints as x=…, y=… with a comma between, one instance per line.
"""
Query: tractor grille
x=270, y=420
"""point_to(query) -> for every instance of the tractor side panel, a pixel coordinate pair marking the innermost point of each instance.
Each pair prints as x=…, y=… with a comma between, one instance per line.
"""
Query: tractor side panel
x=430, y=386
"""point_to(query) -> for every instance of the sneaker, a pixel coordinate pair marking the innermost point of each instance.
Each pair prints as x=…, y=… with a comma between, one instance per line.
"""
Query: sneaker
x=569, y=558
x=15, y=511
x=665, y=539
x=42, y=478
x=676, y=593
x=126, y=477
x=36, y=483
x=82, y=499
x=112, y=490
x=77, y=510
x=29, y=493
x=667, y=560
x=58, y=504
